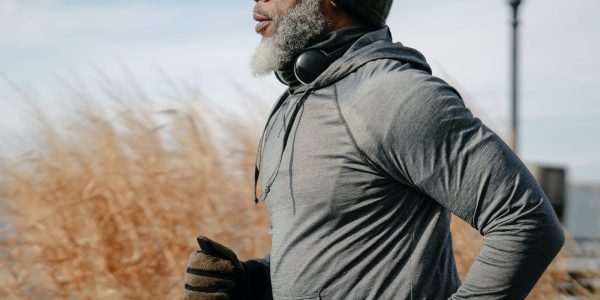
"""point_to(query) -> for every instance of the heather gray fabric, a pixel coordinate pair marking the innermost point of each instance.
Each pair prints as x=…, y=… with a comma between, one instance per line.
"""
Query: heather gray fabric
x=379, y=153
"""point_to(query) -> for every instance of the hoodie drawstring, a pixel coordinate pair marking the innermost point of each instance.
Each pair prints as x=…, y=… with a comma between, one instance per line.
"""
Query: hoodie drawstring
x=301, y=113
x=287, y=130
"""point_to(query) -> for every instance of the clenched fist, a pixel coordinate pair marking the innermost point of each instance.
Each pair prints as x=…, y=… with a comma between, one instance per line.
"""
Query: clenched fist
x=215, y=273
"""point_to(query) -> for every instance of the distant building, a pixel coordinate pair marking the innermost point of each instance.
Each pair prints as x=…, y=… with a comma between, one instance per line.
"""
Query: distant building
x=553, y=182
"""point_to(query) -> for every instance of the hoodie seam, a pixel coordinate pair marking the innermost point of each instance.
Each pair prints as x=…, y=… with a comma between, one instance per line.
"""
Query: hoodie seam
x=371, y=46
x=366, y=159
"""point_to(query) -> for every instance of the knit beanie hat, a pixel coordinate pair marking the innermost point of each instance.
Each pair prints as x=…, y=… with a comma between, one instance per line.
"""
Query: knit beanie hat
x=374, y=12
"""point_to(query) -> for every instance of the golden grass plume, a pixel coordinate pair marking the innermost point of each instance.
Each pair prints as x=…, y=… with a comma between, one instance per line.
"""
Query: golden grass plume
x=109, y=206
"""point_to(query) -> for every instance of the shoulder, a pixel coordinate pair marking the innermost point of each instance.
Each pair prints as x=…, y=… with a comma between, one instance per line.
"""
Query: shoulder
x=393, y=84
x=397, y=113
x=395, y=94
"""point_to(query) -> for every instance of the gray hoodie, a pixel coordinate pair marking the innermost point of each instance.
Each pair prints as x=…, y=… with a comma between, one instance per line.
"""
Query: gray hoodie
x=361, y=171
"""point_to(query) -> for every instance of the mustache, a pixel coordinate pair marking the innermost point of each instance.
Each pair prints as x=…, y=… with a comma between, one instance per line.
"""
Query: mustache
x=262, y=12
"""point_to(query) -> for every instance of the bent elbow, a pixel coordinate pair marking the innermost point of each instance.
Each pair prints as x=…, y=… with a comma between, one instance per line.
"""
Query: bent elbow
x=551, y=236
x=545, y=234
x=557, y=239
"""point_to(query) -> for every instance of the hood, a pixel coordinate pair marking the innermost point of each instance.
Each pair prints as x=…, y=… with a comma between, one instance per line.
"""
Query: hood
x=371, y=46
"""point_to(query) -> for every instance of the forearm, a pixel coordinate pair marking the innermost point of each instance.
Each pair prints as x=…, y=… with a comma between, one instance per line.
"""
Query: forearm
x=513, y=256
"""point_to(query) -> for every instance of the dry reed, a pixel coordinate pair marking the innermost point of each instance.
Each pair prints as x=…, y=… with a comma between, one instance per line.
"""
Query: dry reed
x=108, y=207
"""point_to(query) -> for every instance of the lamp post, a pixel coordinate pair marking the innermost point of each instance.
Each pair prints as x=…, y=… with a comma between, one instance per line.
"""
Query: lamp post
x=515, y=73
x=551, y=179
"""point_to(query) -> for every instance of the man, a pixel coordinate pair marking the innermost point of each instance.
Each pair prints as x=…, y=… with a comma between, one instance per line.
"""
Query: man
x=362, y=162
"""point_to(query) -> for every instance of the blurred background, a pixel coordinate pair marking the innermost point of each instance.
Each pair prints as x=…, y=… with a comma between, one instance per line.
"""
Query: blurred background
x=149, y=89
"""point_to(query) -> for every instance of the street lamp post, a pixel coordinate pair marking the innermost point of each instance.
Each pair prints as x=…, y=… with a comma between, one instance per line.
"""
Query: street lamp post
x=515, y=24
x=551, y=179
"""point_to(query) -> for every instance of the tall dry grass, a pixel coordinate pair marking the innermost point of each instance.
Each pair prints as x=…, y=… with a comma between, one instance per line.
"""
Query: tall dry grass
x=109, y=203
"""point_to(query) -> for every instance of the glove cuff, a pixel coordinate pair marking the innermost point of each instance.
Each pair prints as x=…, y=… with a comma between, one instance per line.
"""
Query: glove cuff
x=255, y=282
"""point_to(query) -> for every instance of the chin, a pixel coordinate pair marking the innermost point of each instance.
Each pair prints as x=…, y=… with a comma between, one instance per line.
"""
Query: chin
x=266, y=34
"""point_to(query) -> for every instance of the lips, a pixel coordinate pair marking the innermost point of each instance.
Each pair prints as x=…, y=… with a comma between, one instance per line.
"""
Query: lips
x=263, y=22
x=261, y=26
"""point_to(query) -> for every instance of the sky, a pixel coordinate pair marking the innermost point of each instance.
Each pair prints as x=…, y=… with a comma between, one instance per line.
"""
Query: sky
x=210, y=43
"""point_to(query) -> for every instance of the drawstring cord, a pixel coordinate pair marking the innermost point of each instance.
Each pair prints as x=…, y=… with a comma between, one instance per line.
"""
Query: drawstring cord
x=286, y=136
x=263, y=140
x=284, y=108
x=292, y=161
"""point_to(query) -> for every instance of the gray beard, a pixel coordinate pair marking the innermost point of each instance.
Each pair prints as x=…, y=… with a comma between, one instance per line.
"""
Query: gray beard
x=294, y=29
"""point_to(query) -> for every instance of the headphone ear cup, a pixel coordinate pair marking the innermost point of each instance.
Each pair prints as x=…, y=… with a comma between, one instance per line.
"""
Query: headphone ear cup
x=310, y=64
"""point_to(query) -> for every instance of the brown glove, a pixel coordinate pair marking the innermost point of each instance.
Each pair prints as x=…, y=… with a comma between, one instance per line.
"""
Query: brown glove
x=215, y=273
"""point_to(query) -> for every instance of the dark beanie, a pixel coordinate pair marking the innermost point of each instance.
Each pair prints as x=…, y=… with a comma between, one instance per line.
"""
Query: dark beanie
x=374, y=12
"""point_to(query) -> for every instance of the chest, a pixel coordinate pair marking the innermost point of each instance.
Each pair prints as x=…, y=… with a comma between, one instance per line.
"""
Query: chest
x=308, y=160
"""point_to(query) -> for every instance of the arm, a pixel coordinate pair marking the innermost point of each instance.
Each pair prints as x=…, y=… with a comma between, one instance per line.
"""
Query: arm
x=482, y=181
x=432, y=142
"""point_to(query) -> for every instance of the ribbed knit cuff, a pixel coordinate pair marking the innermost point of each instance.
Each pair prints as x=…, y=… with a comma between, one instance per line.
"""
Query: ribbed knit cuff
x=256, y=284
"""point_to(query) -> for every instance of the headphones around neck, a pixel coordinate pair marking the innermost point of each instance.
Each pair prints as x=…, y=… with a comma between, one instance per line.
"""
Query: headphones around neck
x=310, y=64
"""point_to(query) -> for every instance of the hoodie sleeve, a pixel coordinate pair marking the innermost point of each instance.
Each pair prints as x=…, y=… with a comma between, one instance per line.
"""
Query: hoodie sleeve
x=426, y=138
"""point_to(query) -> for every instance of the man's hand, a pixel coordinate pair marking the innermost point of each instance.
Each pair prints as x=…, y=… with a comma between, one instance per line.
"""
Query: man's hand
x=213, y=273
